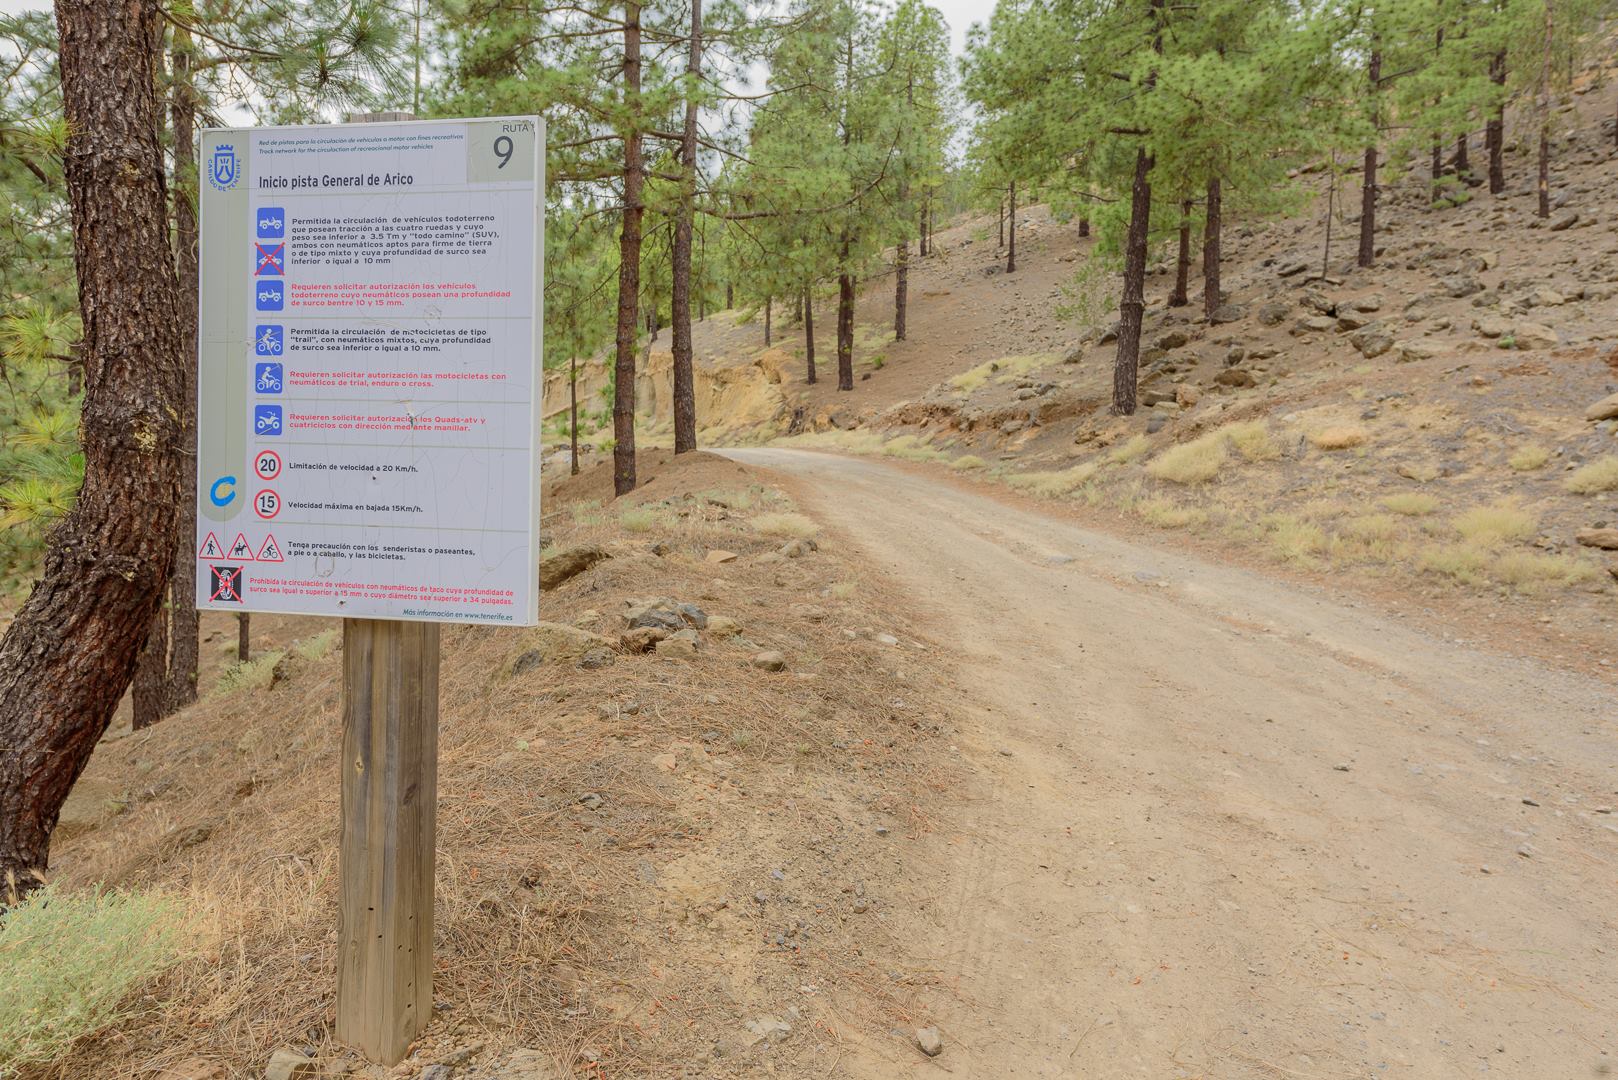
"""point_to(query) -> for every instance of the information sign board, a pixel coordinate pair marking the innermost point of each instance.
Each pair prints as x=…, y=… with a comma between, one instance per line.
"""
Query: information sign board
x=369, y=370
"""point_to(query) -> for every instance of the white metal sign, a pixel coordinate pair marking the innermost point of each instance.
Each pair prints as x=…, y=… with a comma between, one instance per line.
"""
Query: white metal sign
x=369, y=370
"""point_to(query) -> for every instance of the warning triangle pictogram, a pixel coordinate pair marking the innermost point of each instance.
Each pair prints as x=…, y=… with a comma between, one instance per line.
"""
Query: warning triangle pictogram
x=271, y=551
x=241, y=549
x=211, y=549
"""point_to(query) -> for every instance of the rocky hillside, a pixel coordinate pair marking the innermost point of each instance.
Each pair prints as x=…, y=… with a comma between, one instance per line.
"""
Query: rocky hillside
x=1440, y=425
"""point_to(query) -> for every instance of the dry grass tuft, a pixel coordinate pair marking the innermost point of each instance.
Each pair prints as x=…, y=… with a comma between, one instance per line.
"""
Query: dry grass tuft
x=1252, y=440
x=1529, y=458
x=785, y=524
x=638, y=519
x=1466, y=564
x=968, y=461
x=1339, y=438
x=1528, y=571
x=1195, y=462
x=1410, y=503
x=1003, y=369
x=1294, y=539
x=1136, y=447
x=1168, y=514
x=1598, y=476
x=1050, y=485
x=1497, y=523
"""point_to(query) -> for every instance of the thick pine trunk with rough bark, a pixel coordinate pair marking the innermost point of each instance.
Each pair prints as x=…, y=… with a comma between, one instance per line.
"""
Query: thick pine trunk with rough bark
x=181, y=686
x=623, y=396
x=151, y=674
x=69, y=654
x=1133, y=305
x=1211, y=297
x=1367, y=252
x=1182, y=262
x=1463, y=159
x=685, y=401
x=809, y=335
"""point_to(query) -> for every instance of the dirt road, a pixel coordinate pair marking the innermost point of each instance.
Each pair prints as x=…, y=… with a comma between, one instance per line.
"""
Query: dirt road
x=1221, y=827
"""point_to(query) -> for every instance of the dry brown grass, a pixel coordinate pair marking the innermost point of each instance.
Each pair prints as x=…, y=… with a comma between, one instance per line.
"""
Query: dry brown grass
x=1598, y=476
x=1195, y=462
x=1343, y=437
x=1498, y=523
x=544, y=905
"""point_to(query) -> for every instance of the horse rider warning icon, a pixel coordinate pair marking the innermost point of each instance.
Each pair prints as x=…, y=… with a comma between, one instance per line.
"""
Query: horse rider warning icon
x=226, y=584
x=241, y=549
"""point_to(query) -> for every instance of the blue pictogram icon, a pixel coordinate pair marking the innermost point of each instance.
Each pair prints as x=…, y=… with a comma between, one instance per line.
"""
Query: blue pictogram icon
x=222, y=491
x=267, y=340
x=223, y=168
x=271, y=295
x=272, y=222
x=271, y=260
x=267, y=419
x=267, y=378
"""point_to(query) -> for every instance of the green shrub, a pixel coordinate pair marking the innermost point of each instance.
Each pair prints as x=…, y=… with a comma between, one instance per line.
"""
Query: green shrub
x=71, y=962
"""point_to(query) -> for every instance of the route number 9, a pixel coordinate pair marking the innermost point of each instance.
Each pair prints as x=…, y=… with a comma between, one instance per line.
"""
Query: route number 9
x=503, y=149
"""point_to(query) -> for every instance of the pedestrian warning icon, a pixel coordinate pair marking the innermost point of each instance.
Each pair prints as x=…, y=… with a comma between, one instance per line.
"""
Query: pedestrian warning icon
x=210, y=548
x=241, y=549
x=225, y=584
x=271, y=551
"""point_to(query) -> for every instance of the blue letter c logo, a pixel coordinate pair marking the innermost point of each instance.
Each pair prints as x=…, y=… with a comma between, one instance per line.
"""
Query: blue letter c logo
x=228, y=483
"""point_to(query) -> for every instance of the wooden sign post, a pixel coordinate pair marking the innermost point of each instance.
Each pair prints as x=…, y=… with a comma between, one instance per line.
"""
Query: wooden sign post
x=369, y=405
x=390, y=814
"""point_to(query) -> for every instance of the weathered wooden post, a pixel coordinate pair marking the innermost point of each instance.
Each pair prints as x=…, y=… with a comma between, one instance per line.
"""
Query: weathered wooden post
x=390, y=814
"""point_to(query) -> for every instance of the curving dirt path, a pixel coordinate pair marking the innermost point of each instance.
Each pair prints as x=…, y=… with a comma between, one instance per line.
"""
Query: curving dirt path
x=1220, y=827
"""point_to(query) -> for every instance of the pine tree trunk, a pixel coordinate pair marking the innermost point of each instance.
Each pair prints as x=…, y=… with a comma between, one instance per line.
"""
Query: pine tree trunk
x=244, y=637
x=573, y=413
x=1011, y=231
x=1437, y=166
x=685, y=401
x=1463, y=162
x=1132, y=308
x=845, y=324
x=180, y=687
x=809, y=336
x=146, y=696
x=730, y=296
x=767, y=305
x=1494, y=133
x=1367, y=253
x=901, y=289
x=70, y=653
x=1544, y=210
x=623, y=397
x=1211, y=297
x=1002, y=220
x=1182, y=265
x=1084, y=227
x=922, y=245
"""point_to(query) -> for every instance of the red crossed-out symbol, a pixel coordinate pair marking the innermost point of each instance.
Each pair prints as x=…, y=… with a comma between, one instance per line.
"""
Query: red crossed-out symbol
x=270, y=259
x=227, y=584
